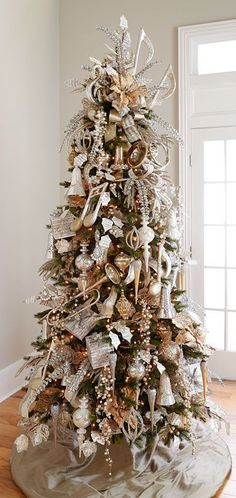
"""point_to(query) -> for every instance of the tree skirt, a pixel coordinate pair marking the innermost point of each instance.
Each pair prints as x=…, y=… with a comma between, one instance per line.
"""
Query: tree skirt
x=168, y=472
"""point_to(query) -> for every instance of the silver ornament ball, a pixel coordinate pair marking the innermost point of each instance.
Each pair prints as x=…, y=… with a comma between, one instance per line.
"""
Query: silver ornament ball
x=136, y=370
x=84, y=262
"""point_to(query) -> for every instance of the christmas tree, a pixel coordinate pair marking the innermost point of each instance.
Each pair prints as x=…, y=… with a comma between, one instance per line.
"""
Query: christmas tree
x=121, y=346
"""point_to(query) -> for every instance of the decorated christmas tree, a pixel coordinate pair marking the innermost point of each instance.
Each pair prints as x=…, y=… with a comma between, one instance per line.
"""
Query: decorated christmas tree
x=122, y=352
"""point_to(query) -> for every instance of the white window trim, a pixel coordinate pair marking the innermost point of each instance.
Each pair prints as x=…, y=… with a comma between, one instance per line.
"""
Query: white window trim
x=188, y=39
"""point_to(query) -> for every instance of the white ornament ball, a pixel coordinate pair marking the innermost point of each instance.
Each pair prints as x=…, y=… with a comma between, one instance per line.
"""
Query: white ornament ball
x=82, y=416
x=146, y=234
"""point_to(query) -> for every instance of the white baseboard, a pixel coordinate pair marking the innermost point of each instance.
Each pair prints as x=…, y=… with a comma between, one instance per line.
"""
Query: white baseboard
x=9, y=384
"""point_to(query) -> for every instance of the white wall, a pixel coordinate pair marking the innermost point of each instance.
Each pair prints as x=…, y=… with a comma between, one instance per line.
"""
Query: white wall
x=159, y=18
x=29, y=144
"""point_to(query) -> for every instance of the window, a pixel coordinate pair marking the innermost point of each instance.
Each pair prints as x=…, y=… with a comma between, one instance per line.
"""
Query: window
x=219, y=57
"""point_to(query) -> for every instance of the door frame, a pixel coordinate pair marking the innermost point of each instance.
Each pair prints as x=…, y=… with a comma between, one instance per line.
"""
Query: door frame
x=188, y=39
x=221, y=363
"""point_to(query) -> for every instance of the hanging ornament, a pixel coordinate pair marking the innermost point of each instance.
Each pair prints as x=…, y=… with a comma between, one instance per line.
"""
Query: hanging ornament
x=144, y=324
x=45, y=328
x=166, y=308
x=172, y=230
x=76, y=190
x=154, y=287
x=162, y=266
x=82, y=419
x=50, y=248
x=112, y=363
x=151, y=400
x=84, y=141
x=130, y=275
x=102, y=247
x=107, y=307
x=88, y=448
x=137, y=265
x=146, y=235
x=132, y=424
x=166, y=268
x=84, y=262
x=174, y=275
x=81, y=324
x=122, y=260
x=112, y=273
x=124, y=307
x=55, y=410
x=62, y=246
x=97, y=253
x=136, y=370
x=90, y=218
x=99, y=348
x=133, y=239
x=203, y=366
x=169, y=351
x=61, y=223
x=165, y=396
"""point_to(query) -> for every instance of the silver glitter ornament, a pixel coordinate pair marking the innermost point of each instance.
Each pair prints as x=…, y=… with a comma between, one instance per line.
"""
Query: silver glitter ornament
x=84, y=262
x=166, y=309
x=99, y=348
x=136, y=370
x=50, y=248
x=165, y=396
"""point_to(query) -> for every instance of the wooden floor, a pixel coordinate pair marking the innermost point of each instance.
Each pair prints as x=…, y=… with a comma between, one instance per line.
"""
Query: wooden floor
x=224, y=396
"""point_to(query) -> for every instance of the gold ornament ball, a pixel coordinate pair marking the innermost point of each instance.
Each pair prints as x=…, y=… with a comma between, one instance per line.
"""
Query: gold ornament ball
x=122, y=261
